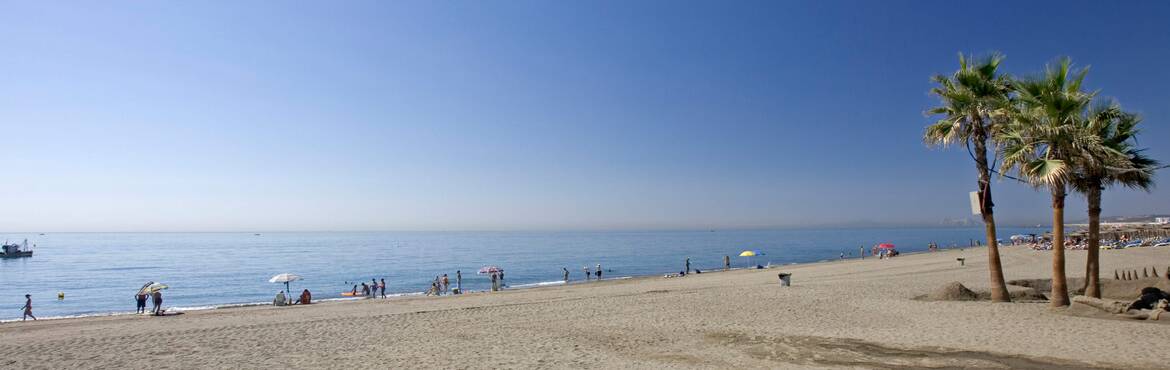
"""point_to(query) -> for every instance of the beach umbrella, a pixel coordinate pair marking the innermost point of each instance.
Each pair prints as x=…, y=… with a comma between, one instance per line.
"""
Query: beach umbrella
x=886, y=246
x=285, y=278
x=151, y=287
x=750, y=253
x=490, y=270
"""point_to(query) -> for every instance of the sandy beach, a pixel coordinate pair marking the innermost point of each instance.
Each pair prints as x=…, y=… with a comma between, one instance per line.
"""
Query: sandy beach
x=840, y=314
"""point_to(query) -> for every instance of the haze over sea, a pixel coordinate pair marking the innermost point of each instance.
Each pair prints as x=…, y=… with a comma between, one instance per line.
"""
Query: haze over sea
x=99, y=272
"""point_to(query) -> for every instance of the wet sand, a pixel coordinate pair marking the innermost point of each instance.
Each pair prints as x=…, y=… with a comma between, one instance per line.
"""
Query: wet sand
x=850, y=314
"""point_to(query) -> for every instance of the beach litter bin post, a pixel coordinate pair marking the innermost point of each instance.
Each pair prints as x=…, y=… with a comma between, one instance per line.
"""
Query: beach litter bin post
x=785, y=279
x=962, y=261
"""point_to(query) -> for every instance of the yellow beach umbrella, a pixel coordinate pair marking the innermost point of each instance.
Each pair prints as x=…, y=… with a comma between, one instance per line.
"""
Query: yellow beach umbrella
x=749, y=254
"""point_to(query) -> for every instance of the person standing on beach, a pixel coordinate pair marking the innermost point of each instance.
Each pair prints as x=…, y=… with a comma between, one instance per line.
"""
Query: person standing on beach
x=688, y=265
x=156, y=298
x=28, y=308
x=726, y=262
x=861, y=251
x=587, y=272
x=599, y=271
x=373, y=287
x=446, y=283
x=382, y=287
x=459, y=281
x=566, y=273
x=140, y=298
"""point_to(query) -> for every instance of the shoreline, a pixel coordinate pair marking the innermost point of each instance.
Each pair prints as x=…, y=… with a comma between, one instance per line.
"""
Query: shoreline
x=853, y=313
x=396, y=296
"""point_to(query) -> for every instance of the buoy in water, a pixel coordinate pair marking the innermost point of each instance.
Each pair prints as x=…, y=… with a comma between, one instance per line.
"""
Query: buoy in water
x=60, y=295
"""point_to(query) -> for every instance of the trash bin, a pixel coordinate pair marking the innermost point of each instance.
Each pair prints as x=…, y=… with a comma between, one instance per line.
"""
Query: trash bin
x=962, y=261
x=785, y=279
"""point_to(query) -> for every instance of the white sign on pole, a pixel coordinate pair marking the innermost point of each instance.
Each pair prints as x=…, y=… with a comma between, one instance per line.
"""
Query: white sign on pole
x=975, y=208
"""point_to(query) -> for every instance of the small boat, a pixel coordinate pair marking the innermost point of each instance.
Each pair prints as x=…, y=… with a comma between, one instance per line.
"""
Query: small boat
x=13, y=250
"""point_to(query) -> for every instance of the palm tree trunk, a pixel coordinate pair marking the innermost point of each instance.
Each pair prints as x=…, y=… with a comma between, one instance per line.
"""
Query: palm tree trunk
x=1092, y=264
x=1059, y=296
x=999, y=292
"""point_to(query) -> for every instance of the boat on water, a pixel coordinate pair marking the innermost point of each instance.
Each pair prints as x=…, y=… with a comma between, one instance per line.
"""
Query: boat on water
x=13, y=250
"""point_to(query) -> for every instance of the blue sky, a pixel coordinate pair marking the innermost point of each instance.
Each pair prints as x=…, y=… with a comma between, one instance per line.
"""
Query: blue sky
x=153, y=116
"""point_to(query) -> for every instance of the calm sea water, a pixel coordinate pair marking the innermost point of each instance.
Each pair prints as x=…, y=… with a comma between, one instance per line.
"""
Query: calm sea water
x=99, y=272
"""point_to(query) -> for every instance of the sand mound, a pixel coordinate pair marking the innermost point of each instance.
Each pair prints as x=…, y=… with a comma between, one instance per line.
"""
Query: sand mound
x=1110, y=288
x=953, y=291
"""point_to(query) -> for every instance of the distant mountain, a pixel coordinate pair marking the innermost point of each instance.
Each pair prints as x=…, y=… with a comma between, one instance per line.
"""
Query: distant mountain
x=1138, y=219
x=963, y=221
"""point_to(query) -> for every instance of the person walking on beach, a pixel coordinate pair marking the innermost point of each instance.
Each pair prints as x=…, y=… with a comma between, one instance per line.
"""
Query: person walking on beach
x=861, y=251
x=373, y=288
x=446, y=283
x=140, y=299
x=156, y=298
x=382, y=287
x=566, y=273
x=688, y=265
x=599, y=271
x=27, y=308
x=587, y=272
x=726, y=262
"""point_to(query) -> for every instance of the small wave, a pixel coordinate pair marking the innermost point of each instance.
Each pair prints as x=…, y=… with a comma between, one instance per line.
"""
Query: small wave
x=100, y=314
x=540, y=284
x=129, y=268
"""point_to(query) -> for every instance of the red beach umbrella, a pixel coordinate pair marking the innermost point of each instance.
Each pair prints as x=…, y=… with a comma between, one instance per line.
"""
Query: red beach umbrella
x=490, y=270
x=886, y=246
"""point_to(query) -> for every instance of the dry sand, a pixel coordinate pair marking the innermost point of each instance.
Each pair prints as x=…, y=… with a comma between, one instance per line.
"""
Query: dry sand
x=851, y=314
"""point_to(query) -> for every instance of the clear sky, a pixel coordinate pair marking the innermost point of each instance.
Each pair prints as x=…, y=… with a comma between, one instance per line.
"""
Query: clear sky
x=456, y=115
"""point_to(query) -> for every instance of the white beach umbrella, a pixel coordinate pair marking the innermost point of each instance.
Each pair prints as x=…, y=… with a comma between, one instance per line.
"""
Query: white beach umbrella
x=151, y=287
x=285, y=278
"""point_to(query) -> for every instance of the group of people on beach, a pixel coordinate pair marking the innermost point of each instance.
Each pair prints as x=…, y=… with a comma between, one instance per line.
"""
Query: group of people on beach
x=371, y=290
x=442, y=284
x=280, y=300
x=588, y=274
x=155, y=298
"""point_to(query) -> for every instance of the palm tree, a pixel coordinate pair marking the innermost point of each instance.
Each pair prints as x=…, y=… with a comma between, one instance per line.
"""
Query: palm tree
x=1044, y=142
x=1125, y=165
x=974, y=102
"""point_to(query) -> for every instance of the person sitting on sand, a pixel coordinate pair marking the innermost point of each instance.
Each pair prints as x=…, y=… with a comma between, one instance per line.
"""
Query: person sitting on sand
x=1152, y=305
x=306, y=297
x=1149, y=299
x=280, y=299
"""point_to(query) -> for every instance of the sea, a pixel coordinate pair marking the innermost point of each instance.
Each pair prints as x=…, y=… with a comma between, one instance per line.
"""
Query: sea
x=98, y=273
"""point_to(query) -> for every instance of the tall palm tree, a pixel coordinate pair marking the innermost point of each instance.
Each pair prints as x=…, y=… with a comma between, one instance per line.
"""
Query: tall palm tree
x=1124, y=165
x=975, y=100
x=1044, y=141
